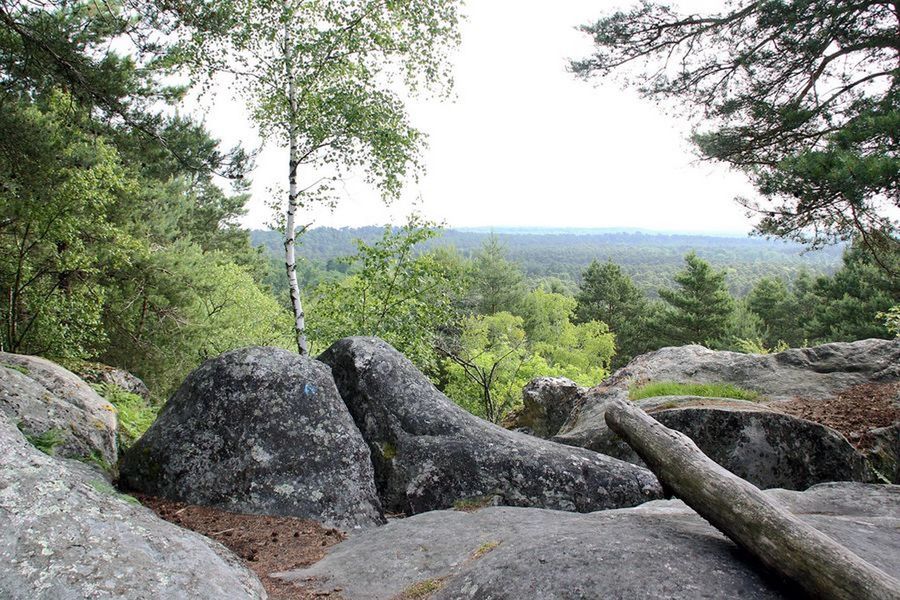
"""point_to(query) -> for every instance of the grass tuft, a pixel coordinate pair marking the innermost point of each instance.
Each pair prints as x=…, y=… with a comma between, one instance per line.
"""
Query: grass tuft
x=705, y=390
x=422, y=589
x=45, y=442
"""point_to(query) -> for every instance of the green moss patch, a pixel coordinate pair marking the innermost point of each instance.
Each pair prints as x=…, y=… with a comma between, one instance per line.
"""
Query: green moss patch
x=422, y=589
x=705, y=390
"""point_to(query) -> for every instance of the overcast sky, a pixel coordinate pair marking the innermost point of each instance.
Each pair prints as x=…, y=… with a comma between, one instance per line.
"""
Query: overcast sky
x=524, y=143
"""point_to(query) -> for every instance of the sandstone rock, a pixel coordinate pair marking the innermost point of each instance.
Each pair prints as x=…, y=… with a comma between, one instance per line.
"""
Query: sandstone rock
x=883, y=452
x=430, y=454
x=44, y=398
x=547, y=403
x=258, y=430
x=755, y=441
x=66, y=534
x=657, y=550
x=100, y=373
x=763, y=446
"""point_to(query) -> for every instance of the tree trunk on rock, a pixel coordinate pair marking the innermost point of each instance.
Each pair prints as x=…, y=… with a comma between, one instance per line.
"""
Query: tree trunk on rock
x=749, y=517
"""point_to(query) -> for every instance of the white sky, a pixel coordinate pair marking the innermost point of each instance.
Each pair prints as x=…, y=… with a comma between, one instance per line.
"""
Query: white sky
x=525, y=143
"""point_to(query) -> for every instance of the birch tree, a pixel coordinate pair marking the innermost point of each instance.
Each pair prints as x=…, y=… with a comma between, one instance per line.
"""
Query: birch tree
x=323, y=78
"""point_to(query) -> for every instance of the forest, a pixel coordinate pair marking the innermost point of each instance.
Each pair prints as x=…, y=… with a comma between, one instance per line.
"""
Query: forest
x=121, y=242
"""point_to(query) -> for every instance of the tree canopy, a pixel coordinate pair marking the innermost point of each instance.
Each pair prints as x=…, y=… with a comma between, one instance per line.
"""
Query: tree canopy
x=802, y=95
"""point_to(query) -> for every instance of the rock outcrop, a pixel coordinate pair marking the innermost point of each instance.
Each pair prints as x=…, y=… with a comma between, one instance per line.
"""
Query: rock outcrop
x=44, y=399
x=65, y=533
x=259, y=430
x=100, y=373
x=430, y=454
x=657, y=550
x=547, y=403
x=753, y=440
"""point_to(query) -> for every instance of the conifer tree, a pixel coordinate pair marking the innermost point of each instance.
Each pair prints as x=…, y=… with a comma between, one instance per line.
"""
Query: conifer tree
x=699, y=308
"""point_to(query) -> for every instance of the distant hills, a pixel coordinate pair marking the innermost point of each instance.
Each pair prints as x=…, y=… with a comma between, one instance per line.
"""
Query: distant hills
x=651, y=258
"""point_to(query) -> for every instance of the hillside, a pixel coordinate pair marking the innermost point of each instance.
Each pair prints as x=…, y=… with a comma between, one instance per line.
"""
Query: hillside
x=651, y=259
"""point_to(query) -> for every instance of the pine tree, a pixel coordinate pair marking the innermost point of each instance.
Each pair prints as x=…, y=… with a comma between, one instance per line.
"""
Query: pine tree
x=609, y=295
x=699, y=308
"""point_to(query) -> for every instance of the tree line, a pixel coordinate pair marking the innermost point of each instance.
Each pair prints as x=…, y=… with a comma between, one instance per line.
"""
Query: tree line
x=481, y=328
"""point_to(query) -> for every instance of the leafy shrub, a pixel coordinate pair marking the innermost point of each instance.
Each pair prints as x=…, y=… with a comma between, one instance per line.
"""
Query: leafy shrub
x=706, y=390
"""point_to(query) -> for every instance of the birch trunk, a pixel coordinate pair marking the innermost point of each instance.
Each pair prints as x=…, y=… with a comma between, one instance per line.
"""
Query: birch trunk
x=753, y=520
x=290, y=229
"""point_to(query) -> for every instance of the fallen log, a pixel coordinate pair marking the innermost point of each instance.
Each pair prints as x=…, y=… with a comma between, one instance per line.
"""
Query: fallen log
x=753, y=520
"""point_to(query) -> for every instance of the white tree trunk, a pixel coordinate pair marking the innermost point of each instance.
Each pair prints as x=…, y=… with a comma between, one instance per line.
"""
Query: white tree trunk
x=290, y=229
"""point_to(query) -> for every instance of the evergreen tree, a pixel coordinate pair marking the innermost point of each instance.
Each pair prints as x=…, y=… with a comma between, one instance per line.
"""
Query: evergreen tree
x=700, y=307
x=609, y=295
x=497, y=283
x=775, y=305
x=850, y=301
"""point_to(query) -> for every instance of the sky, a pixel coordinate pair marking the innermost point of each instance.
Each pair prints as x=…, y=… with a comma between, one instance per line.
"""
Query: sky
x=523, y=143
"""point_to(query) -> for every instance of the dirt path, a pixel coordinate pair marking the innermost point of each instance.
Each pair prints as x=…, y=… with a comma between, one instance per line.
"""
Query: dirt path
x=265, y=544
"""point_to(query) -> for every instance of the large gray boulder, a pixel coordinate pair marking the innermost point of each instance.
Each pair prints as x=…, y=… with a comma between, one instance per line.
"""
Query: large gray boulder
x=754, y=440
x=259, y=430
x=767, y=448
x=430, y=454
x=657, y=550
x=66, y=534
x=45, y=399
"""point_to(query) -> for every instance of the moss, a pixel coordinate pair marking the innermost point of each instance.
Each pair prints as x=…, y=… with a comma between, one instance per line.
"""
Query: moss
x=705, y=390
x=484, y=549
x=19, y=368
x=388, y=450
x=105, y=488
x=472, y=504
x=422, y=589
x=95, y=458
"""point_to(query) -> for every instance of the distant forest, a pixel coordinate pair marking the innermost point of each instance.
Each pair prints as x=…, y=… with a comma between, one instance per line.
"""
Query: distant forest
x=650, y=259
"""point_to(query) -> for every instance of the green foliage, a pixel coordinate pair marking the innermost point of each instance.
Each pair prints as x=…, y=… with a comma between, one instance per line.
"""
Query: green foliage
x=700, y=307
x=757, y=346
x=609, y=295
x=849, y=302
x=107, y=489
x=706, y=390
x=134, y=414
x=394, y=292
x=47, y=441
x=802, y=95
x=891, y=319
x=497, y=283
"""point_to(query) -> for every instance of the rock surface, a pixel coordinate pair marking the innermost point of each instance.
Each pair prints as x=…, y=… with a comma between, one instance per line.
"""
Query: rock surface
x=757, y=442
x=66, y=534
x=430, y=454
x=547, y=403
x=259, y=430
x=43, y=397
x=100, y=373
x=657, y=550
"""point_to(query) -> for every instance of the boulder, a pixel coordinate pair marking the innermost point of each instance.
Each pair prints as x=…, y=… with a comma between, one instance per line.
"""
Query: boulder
x=547, y=403
x=263, y=431
x=763, y=446
x=44, y=399
x=754, y=440
x=105, y=374
x=430, y=454
x=66, y=534
x=660, y=549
